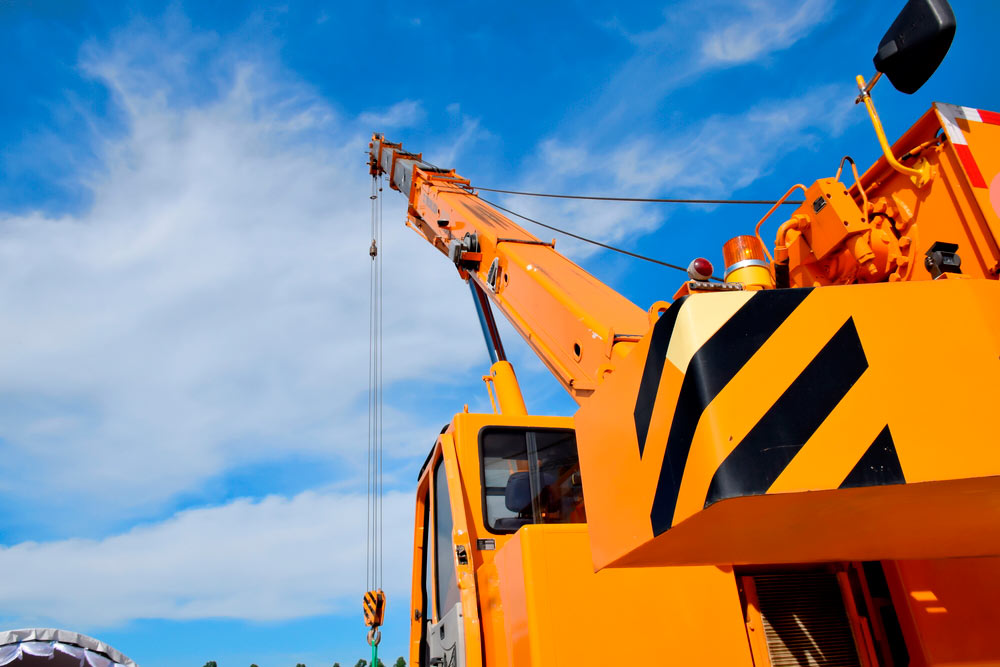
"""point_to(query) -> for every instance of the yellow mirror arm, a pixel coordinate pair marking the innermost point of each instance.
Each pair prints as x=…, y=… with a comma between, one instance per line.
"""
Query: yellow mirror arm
x=920, y=173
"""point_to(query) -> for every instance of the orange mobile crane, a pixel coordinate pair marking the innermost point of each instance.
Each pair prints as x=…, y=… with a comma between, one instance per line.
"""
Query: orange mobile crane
x=795, y=466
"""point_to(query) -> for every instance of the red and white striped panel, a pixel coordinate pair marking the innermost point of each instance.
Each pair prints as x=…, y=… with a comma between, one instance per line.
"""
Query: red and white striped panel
x=949, y=114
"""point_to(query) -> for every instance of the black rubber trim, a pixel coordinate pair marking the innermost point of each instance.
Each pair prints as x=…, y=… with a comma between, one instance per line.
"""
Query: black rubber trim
x=431, y=453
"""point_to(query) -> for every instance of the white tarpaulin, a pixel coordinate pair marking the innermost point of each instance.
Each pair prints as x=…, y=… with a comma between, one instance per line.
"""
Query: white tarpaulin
x=57, y=648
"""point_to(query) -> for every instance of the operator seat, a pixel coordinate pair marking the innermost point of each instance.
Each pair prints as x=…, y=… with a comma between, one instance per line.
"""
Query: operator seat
x=517, y=498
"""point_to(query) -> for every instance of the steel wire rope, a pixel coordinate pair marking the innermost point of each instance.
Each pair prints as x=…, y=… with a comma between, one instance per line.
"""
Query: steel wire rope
x=371, y=358
x=650, y=200
x=636, y=199
x=634, y=255
x=629, y=253
x=381, y=385
x=374, y=510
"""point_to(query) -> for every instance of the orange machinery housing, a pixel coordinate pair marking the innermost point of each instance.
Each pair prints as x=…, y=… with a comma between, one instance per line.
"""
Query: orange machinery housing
x=795, y=466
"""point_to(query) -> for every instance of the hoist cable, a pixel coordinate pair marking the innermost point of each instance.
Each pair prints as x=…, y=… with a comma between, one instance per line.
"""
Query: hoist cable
x=591, y=241
x=381, y=386
x=635, y=199
x=373, y=522
x=371, y=359
x=373, y=601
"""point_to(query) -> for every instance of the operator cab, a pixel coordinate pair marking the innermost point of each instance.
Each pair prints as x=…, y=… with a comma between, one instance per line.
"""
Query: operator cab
x=529, y=476
x=487, y=476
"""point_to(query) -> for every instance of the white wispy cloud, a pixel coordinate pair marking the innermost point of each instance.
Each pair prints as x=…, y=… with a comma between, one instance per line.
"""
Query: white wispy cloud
x=408, y=113
x=267, y=560
x=209, y=309
x=758, y=28
x=695, y=38
x=728, y=152
x=468, y=133
x=727, y=32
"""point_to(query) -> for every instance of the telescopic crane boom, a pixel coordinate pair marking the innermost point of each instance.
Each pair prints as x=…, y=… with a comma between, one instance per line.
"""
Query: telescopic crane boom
x=578, y=326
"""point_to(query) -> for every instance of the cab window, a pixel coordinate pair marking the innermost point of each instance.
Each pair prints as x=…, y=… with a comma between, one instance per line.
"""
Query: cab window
x=444, y=560
x=530, y=476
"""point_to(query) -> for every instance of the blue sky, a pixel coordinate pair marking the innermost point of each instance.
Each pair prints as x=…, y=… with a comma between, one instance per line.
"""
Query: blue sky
x=183, y=265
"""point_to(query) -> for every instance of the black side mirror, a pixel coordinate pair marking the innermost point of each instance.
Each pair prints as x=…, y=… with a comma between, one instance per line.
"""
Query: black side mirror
x=916, y=43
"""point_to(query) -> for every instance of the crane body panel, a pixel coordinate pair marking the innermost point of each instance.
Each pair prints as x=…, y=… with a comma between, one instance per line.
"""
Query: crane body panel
x=491, y=594
x=755, y=417
x=542, y=564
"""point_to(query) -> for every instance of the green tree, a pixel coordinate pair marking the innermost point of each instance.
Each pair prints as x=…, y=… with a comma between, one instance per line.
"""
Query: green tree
x=211, y=663
x=336, y=664
x=361, y=663
x=400, y=662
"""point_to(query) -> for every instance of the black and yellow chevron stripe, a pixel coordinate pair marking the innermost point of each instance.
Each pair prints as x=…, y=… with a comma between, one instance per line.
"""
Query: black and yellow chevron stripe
x=771, y=444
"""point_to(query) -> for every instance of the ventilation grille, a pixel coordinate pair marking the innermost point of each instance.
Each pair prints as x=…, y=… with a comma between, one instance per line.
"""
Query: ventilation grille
x=804, y=620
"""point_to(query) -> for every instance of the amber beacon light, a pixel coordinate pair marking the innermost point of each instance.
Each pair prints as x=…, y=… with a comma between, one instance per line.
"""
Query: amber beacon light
x=746, y=262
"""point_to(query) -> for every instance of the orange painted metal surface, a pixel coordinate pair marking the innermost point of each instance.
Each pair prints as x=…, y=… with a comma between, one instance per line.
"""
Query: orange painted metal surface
x=558, y=611
x=420, y=606
x=846, y=421
x=904, y=220
x=842, y=389
x=535, y=596
x=943, y=609
x=478, y=579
